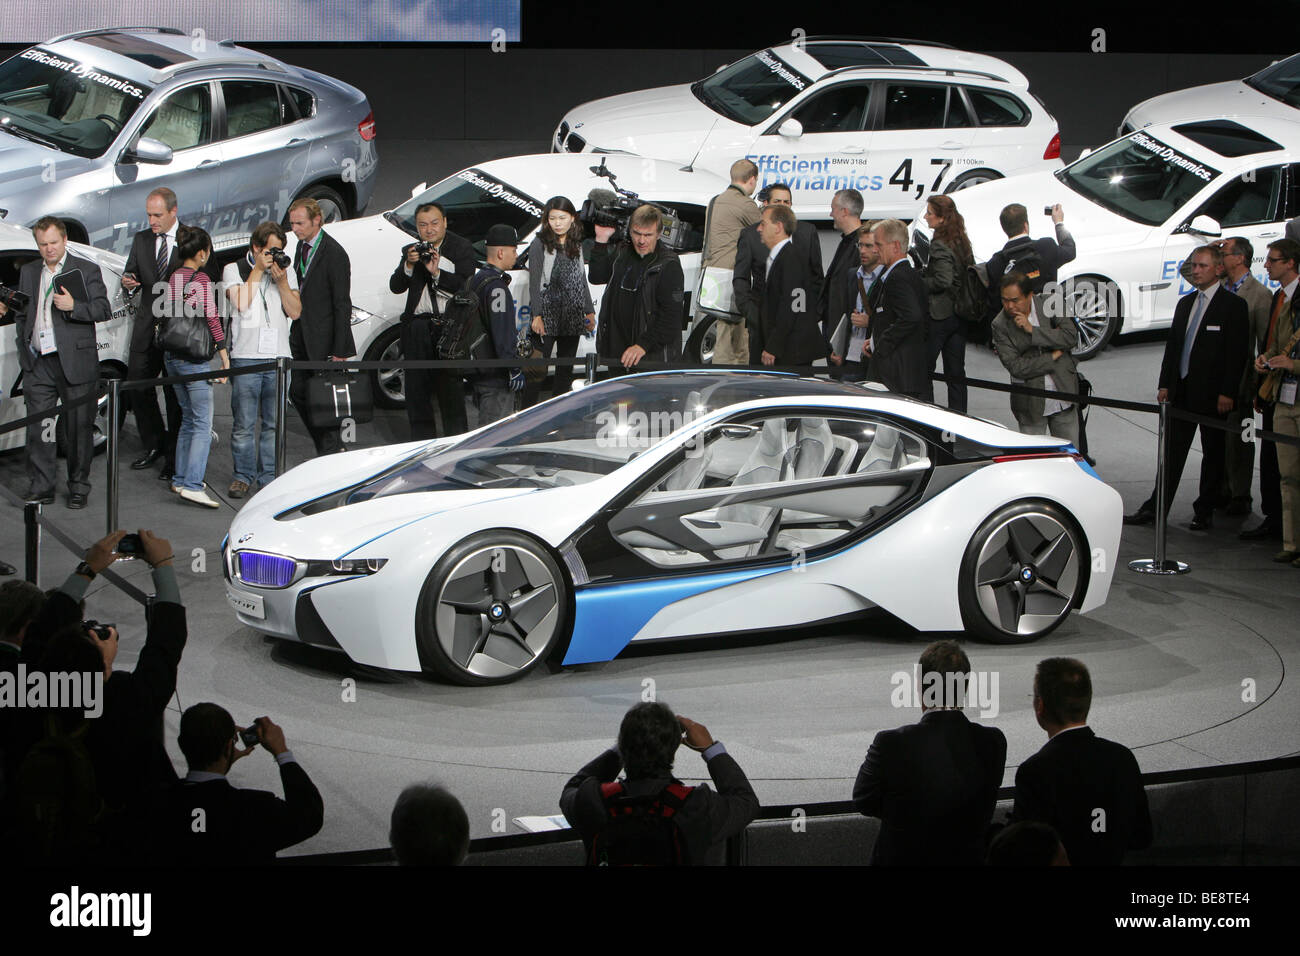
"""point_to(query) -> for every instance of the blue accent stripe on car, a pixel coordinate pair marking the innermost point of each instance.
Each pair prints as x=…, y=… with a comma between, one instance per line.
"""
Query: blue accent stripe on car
x=607, y=617
x=1083, y=462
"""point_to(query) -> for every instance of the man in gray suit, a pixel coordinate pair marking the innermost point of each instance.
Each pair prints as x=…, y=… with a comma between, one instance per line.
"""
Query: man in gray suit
x=1033, y=336
x=59, y=358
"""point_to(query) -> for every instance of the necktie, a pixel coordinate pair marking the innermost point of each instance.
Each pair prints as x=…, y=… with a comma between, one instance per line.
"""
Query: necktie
x=1279, y=300
x=164, y=256
x=1190, y=338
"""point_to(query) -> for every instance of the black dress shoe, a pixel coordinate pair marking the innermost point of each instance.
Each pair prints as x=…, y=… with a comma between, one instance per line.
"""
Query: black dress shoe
x=165, y=475
x=34, y=497
x=77, y=501
x=1266, y=530
x=1141, y=516
x=1202, y=522
x=147, y=459
x=7, y=569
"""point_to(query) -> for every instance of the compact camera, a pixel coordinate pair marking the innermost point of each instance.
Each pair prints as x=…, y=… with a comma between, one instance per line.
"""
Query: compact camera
x=426, y=250
x=101, y=631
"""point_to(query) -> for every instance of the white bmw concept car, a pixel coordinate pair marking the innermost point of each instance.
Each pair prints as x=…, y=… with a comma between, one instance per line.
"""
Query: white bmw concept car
x=671, y=505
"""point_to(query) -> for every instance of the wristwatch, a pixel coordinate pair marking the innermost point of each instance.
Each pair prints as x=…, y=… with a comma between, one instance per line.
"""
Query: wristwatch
x=86, y=571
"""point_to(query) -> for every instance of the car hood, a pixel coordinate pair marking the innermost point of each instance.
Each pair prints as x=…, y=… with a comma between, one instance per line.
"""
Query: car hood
x=1224, y=100
x=667, y=122
x=24, y=163
x=980, y=206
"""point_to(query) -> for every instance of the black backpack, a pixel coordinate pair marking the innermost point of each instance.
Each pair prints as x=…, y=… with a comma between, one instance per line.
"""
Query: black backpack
x=970, y=297
x=640, y=831
x=1028, y=263
x=464, y=334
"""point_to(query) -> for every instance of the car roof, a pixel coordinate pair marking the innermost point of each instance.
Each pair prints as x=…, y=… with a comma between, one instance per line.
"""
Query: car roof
x=819, y=57
x=153, y=54
x=544, y=175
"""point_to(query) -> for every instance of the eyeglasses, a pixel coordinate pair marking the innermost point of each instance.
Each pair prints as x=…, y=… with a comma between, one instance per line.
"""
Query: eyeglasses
x=1276, y=259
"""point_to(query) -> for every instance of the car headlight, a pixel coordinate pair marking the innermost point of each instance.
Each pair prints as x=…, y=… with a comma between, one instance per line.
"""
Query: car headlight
x=319, y=569
x=360, y=315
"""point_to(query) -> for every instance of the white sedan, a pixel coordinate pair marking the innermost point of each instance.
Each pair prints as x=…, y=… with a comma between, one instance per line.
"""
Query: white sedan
x=672, y=505
x=17, y=248
x=1140, y=204
x=1273, y=91
x=895, y=120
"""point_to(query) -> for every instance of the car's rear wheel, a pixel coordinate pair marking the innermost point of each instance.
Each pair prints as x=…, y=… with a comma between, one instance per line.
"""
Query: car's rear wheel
x=492, y=609
x=1095, y=305
x=387, y=385
x=333, y=208
x=972, y=178
x=1023, y=572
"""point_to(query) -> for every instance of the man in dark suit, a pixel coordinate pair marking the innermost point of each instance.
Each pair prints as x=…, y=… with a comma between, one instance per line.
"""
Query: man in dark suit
x=206, y=821
x=788, y=322
x=324, y=330
x=59, y=358
x=933, y=784
x=1086, y=788
x=1204, y=358
x=836, y=300
x=152, y=260
x=900, y=316
x=648, y=739
x=448, y=266
x=751, y=259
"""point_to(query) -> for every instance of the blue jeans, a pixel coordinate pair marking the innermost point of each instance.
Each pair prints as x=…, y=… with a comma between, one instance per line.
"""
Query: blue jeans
x=195, y=436
x=253, y=396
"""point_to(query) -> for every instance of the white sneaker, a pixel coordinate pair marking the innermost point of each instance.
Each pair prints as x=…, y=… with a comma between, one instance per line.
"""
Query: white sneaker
x=199, y=498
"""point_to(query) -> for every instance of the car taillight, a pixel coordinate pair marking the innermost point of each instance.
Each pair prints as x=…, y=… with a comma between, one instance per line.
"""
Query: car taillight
x=367, y=127
x=1063, y=453
x=1053, y=150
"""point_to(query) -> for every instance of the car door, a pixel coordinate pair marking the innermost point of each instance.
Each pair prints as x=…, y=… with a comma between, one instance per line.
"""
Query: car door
x=266, y=148
x=758, y=492
x=1247, y=205
x=183, y=120
x=12, y=405
x=831, y=149
x=922, y=131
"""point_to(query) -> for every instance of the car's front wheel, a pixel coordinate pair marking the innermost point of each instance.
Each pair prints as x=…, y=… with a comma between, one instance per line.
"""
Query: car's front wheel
x=492, y=609
x=387, y=385
x=703, y=338
x=1022, y=573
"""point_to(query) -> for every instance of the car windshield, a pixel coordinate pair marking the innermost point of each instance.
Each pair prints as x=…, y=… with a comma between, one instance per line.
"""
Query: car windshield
x=1280, y=81
x=474, y=201
x=752, y=89
x=1139, y=178
x=583, y=435
x=64, y=103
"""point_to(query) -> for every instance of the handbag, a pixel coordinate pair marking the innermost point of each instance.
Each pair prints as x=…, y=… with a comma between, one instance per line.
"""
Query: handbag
x=185, y=335
x=526, y=347
x=333, y=397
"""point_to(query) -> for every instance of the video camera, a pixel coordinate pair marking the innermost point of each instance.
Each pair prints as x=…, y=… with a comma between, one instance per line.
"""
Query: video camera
x=12, y=299
x=606, y=207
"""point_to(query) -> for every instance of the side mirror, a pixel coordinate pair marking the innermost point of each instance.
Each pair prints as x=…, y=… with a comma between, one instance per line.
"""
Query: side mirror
x=1205, y=226
x=721, y=68
x=1084, y=152
x=148, y=150
x=791, y=128
x=419, y=189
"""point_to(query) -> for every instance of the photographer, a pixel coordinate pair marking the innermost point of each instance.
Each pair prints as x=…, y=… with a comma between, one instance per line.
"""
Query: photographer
x=641, y=311
x=1036, y=259
x=495, y=388
x=239, y=827
x=440, y=260
x=263, y=292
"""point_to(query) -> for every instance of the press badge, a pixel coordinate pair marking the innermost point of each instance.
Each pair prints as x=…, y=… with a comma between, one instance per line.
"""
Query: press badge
x=1286, y=394
x=268, y=341
x=46, y=340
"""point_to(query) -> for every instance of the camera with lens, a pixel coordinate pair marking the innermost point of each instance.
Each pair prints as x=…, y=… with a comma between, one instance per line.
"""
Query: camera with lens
x=12, y=299
x=101, y=631
x=280, y=258
x=425, y=250
x=614, y=207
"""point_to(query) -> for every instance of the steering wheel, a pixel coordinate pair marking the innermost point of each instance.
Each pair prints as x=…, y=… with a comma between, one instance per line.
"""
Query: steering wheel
x=114, y=124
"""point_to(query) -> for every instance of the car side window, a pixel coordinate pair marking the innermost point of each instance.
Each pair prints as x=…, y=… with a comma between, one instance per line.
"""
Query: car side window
x=958, y=117
x=1246, y=200
x=840, y=109
x=994, y=108
x=183, y=120
x=302, y=100
x=251, y=107
x=914, y=107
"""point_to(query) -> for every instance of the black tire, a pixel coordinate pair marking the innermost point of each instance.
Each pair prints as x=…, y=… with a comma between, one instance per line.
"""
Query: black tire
x=970, y=178
x=1098, y=313
x=1024, y=570
x=100, y=425
x=494, y=607
x=333, y=206
x=699, y=346
x=387, y=385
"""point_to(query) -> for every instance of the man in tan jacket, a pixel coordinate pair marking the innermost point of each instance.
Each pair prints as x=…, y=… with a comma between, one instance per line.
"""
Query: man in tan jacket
x=730, y=213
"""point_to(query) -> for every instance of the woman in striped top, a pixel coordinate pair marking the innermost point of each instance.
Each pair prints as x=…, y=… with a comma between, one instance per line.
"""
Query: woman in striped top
x=190, y=293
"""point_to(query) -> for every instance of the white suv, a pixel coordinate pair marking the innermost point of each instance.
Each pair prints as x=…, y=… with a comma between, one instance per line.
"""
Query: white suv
x=895, y=120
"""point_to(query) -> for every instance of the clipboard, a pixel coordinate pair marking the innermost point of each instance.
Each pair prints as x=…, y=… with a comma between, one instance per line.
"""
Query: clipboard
x=74, y=282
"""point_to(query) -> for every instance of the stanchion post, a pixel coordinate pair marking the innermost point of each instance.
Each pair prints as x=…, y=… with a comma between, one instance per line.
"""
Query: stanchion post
x=1160, y=563
x=114, y=403
x=32, y=544
x=281, y=411
x=591, y=368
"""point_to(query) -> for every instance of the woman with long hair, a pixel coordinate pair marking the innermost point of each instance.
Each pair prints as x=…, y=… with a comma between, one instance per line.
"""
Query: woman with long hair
x=557, y=285
x=950, y=256
x=190, y=296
